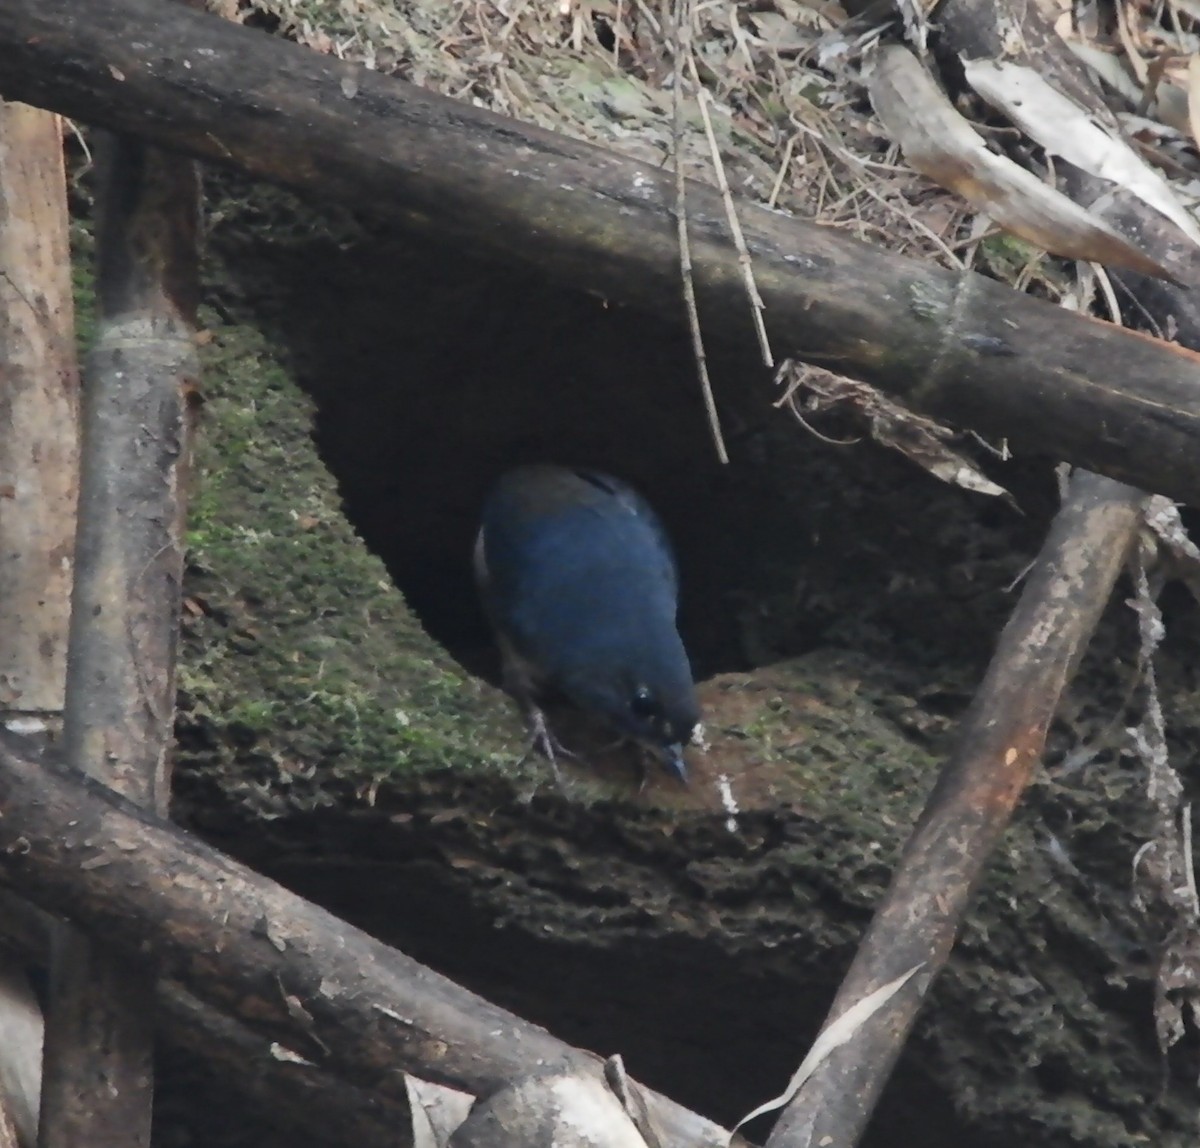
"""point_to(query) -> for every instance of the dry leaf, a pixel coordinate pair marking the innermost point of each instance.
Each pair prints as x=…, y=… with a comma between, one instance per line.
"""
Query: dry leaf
x=1065, y=129
x=942, y=145
x=1125, y=33
x=931, y=454
x=919, y=439
x=437, y=1111
x=1107, y=67
x=834, y=1036
x=778, y=34
x=915, y=15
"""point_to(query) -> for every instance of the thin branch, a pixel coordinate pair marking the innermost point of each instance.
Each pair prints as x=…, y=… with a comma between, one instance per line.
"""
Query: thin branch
x=682, y=14
x=735, y=227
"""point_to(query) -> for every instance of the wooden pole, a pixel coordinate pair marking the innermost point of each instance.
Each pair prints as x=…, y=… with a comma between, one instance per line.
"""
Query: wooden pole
x=39, y=476
x=120, y=704
x=39, y=417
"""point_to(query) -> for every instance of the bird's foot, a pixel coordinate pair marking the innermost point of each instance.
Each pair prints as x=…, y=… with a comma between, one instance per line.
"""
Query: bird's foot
x=541, y=737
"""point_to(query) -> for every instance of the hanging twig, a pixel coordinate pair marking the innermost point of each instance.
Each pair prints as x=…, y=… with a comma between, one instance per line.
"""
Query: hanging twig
x=735, y=227
x=683, y=15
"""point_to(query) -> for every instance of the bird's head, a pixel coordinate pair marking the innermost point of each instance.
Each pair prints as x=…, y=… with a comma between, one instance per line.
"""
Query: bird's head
x=658, y=710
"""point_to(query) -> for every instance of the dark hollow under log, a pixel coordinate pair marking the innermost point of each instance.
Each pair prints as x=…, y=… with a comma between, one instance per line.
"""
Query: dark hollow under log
x=958, y=347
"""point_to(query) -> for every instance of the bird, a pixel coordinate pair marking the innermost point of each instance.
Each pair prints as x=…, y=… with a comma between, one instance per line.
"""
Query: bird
x=579, y=582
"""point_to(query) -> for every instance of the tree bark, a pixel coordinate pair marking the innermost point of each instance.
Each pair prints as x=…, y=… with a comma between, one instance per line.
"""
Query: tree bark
x=39, y=415
x=39, y=476
x=960, y=348
x=245, y=945
x=287, y=1089
x=284, y=1088
x=1000, y=743
x=99, y=1055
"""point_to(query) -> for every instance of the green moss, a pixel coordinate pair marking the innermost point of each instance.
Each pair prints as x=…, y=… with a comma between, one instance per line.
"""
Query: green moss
x=300, y=658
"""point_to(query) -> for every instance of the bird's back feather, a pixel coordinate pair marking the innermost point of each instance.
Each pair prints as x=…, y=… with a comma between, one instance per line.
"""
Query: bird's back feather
x=578, y=577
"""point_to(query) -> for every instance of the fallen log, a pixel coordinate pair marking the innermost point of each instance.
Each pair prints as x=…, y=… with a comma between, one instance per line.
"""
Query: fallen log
x=270, y=959
x=281, y=1086
x=961, y=348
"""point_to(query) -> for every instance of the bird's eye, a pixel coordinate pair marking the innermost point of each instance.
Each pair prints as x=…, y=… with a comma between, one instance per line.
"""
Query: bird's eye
x=643, y=703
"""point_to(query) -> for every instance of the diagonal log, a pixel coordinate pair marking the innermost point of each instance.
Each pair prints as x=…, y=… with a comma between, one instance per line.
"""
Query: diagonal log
x=260, y=954
x=999, y=745
x=280, y=1085
x=1003, y=735
x=958, y=347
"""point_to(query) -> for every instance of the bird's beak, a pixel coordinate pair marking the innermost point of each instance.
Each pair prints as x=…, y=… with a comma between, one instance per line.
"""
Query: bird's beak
x=673, y=756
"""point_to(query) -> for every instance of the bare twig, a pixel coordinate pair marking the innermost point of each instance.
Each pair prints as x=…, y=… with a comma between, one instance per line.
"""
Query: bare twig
x=735, y=228
x=781, y=174
x=682, y=14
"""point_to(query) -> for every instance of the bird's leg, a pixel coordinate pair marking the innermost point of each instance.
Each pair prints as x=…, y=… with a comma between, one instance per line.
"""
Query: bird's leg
x=519, y=683
x=541, y=738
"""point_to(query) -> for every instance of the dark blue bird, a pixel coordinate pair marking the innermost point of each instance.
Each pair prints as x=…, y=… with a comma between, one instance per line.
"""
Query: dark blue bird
x=578, y=579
